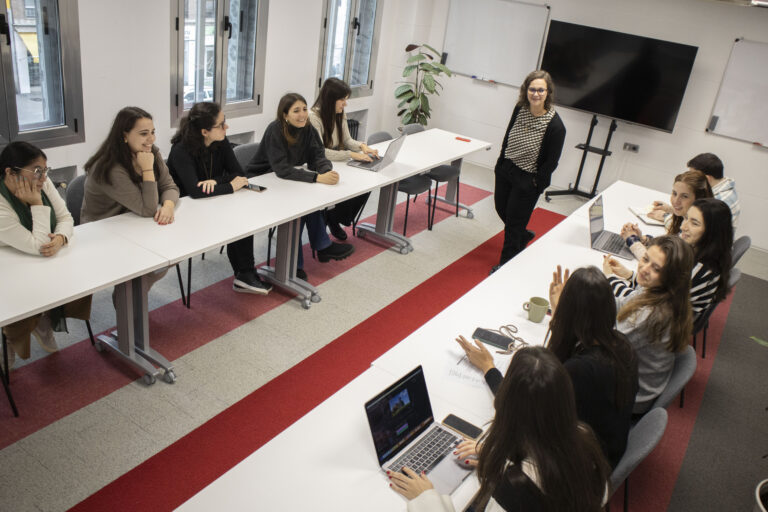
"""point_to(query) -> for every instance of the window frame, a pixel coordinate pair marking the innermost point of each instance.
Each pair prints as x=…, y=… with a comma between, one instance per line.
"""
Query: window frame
x=357, y=90
x=236, y=109
x=73, y=129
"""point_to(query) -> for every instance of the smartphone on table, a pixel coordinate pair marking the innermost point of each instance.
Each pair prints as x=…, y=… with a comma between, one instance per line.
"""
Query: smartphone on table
x=463, y=427
x=256, y=188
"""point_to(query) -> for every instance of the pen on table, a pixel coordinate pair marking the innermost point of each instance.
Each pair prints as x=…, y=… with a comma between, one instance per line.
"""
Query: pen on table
x=460, y=360
x=463, y=139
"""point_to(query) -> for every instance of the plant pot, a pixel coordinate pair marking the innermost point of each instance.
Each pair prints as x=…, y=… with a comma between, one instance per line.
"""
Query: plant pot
x=761, y=496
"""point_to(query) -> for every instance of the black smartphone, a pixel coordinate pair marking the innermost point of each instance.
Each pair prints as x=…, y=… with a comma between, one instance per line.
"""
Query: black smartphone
x=492, y=338
x=461, y=426
x=256, y=188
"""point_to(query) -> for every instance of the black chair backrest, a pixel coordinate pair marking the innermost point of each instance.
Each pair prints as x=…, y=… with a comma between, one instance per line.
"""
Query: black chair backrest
x=75, y=194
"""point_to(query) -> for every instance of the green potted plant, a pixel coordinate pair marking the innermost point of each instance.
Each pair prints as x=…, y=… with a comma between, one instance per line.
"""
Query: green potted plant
x=413, y=96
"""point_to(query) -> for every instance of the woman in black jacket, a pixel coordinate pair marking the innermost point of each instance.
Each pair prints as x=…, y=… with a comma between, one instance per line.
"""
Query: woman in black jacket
x=529, y=155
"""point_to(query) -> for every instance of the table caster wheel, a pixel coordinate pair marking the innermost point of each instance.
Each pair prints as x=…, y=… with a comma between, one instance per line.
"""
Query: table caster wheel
x=169, y=377
x=404, y=250
x=98, y=346
x=315, y=298
x=148, y=379
x=360, y=234
x=547, y=198
x=470, y=215
x=305, y=303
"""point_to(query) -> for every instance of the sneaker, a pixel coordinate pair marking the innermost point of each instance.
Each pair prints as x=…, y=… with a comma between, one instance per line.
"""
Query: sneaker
x=337, y=231
x=335, y=252
x=301, y=274
x=44, y=334
x=11, y=356
x=249, y=282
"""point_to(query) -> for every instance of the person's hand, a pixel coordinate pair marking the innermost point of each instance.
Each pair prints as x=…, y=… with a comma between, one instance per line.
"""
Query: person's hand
x=556, y=286
x=368, y=151
x=27, y=191
x=362, y=157
x=145, y=161
x=410, y=484
x=207, y=186
x=238, y=182
x=657, y=215
x=164, y=215
x=477, y=354
x=630, y=229
x=612, y=266
x=662, y=207
x=328, y=178
x=52, y=247
x=467, y=451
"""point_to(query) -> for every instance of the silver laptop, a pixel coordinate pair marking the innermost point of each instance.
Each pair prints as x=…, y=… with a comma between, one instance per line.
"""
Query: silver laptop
x=405, y=433
x=380, y=163
x=602, y=240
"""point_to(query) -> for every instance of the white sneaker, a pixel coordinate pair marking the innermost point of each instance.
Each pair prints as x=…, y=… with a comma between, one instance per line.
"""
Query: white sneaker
x=44, y=334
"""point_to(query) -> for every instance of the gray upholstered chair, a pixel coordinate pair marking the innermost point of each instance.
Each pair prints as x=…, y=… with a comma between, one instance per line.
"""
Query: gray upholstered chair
x=685, y=367
x=740, y=246
x=244, y=153
x=702, y=323
x=641, y=441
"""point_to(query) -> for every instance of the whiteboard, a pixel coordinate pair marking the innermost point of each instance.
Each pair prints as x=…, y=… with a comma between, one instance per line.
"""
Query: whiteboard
x=741, y=107
x=495, y=40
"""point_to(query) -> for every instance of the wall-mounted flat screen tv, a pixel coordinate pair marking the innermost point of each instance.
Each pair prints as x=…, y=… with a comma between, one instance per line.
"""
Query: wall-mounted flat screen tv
x=623, y=76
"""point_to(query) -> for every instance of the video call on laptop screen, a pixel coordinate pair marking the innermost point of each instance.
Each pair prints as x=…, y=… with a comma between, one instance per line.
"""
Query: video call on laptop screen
x=399, y=414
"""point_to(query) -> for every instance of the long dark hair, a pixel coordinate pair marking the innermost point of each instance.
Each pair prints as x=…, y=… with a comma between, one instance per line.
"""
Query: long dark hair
x=202, y=116
x=536, y=420
x=670, y=301
x=115, y=151
x=332, y=91
x=697, y=181
x=586, y=316
x=522, y=100
x=283, y=106
x=714, y=247
x=19, y=154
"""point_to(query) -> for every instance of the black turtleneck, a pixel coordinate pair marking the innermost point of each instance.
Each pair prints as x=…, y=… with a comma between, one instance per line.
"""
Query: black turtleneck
x=275, y=154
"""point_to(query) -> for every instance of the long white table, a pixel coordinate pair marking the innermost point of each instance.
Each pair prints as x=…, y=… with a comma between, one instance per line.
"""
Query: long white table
x=326, y=460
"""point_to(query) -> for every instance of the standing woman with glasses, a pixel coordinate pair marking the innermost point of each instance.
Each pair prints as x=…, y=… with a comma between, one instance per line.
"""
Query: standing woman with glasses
x=34, y=219
x=203, y=164
x=529, y=155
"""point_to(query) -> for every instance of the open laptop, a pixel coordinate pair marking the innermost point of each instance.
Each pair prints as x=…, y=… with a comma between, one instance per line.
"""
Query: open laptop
x=602, y=240
x=405, y=433
x=389, y=157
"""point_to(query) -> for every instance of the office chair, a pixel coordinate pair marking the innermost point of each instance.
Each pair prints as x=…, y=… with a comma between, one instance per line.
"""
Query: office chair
x=685, y=367
x=702, y=324
x=740, y=246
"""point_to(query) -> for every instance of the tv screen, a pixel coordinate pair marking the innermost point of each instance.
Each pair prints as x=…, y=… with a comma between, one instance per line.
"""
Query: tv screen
x=631, y=78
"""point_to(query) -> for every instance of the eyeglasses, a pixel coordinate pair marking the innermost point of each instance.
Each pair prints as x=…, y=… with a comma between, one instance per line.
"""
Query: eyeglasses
x=39, y=172
x=538, y=91
x=221, y=124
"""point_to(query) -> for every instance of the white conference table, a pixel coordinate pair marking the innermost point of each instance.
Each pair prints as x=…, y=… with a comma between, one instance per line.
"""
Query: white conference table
x=326, y=460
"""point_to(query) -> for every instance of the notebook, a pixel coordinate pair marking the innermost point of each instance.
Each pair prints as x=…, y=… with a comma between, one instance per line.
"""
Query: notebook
x=602, y=240
x=642, y=214
x=378, y=164
x=405, y=433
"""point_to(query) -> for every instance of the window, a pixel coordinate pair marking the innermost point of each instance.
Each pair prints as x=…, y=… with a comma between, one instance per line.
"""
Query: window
x=349, y=43
x=218, y=55
x=40, y=52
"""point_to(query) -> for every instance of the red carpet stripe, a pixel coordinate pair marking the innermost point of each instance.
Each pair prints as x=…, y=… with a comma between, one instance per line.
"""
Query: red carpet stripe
x=209, y=451
x=60, y=384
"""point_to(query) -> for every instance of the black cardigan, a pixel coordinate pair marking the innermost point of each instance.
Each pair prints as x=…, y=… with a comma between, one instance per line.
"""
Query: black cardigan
x=275, y=154
x=549, y=153
x=187, y=170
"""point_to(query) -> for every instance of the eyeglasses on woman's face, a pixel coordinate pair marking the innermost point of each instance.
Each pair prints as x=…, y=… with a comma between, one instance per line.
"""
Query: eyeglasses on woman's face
x=539, y=91
x=39, y=173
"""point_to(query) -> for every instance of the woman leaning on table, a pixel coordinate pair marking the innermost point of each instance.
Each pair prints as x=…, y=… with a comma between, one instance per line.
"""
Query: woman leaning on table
x=203, y=164
x=34, y=219
x=536, y=455
x=529, y=155
x=328, y=118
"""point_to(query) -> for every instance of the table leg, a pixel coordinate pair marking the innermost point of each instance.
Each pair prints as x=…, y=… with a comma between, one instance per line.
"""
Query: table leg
x=283, y=274
x=451, y=189
x=385, y=218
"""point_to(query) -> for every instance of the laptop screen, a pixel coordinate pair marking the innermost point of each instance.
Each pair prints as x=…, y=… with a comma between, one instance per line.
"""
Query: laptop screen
x=399, y=414
x=596, y=222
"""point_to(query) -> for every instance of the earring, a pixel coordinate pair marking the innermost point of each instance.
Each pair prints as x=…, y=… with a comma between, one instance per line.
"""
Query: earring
x=125, y=141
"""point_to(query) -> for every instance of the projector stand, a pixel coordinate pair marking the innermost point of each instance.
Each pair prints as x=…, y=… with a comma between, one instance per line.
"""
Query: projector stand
x=586, y=148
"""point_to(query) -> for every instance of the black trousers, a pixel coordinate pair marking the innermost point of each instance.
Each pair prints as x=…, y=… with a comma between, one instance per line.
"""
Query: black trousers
x=240, y=255
x=515, y=198
x=346, y=211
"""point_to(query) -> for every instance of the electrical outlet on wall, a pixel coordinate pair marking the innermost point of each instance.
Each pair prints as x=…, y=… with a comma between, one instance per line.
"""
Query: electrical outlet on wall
x=634, y=148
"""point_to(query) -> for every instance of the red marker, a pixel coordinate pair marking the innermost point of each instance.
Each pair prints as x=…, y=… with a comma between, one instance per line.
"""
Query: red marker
x=462, y=139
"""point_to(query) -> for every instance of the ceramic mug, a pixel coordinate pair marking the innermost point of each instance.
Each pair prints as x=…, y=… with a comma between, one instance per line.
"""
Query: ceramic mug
x=536, y=308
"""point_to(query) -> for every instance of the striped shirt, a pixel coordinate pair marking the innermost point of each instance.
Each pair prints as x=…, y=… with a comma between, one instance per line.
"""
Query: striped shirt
x=726, y=192
x=524, y=140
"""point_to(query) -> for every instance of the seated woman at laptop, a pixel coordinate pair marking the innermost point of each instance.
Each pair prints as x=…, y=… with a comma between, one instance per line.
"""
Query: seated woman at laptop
x=654, y=311
x=687, y=187
x=599, y=359
x=34, y=219
x=288, y=143
x=328, y=118
x=552, y=462
x=708, y=229
x=203, y=164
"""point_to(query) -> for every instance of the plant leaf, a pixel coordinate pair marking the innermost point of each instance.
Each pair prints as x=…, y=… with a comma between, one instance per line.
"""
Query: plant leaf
x=416, y=58
x=407, y=118
x=414, y=104
x=442, y=68
x=401, y=112
x=429, y=83
x=437, y=53
x=402, y=103
x=411, y=47
x=408, y=70
x=425, y=105
x=429, y=68
x=403, y=91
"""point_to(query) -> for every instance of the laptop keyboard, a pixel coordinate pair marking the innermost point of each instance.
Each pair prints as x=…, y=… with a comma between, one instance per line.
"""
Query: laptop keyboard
x=428, y=452
x=611, y=242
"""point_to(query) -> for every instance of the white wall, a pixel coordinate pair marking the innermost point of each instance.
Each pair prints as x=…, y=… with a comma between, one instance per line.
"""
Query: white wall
x=482, y=110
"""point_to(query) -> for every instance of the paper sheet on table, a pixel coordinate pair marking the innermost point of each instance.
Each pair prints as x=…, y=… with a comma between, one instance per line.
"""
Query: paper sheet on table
x=464, y=372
